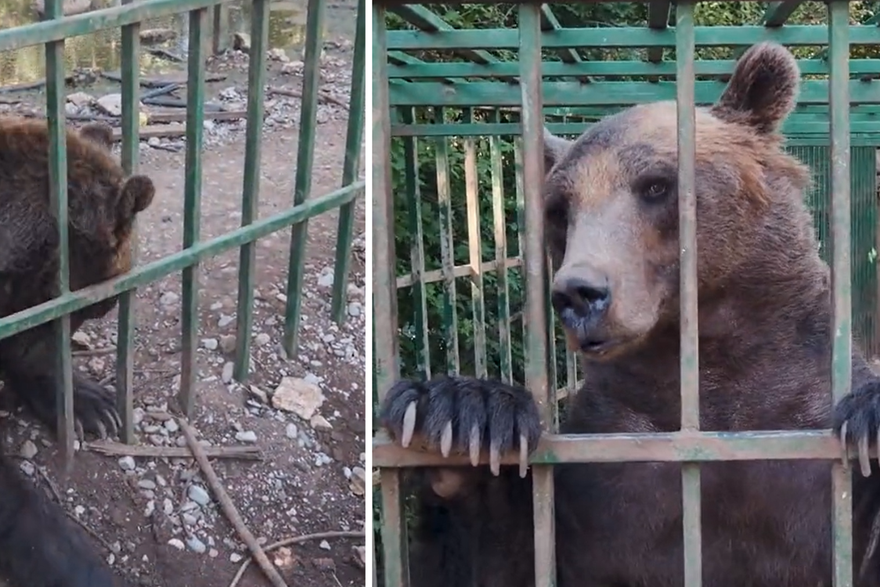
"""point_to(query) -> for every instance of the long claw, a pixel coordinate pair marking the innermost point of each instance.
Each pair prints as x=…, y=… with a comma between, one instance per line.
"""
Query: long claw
x=474, y=445
x=844, y=444
x=80, y=433
x=494, y=458
x=864, y=458
x=523, y=455
x=409, y=424
x=102, y=430
x=446, y=439
x=114, y=421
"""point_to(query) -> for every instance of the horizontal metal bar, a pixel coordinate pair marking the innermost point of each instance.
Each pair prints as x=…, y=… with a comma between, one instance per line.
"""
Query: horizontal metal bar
x=567, y=93
x=621, y=37
x=790, y=128
x=76, y=300
x=89, y=22
x=458, y=271
x=678, y=447
x=412, y=68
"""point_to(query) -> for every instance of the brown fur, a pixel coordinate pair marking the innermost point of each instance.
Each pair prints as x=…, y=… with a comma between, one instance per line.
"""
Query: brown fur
x=102, y=204
x=38, y=546
x=764, y=323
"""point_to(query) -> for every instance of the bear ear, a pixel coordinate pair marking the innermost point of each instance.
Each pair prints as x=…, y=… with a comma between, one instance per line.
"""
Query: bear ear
x=763, y=89
x=136, y=195
x=98, y=133
x=554, y=148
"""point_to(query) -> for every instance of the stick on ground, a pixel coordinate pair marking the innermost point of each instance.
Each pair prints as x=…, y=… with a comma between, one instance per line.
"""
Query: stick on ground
x=295, y=540
x=228, y=508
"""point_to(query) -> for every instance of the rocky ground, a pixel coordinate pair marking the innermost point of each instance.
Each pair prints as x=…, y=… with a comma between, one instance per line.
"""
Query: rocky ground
x=154, y=514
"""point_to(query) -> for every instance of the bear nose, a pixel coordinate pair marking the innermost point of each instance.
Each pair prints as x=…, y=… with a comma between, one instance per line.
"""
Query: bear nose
x=583, y=296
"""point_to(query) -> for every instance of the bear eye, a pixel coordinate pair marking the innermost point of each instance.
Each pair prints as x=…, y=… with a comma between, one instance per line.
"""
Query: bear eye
x=653, y=189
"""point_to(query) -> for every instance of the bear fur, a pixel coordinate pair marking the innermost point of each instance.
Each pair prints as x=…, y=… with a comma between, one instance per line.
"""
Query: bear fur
x=38, y=545
x=765, y=313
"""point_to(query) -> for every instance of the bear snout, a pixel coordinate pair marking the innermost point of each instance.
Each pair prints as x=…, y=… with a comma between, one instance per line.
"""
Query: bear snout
x=581, y=298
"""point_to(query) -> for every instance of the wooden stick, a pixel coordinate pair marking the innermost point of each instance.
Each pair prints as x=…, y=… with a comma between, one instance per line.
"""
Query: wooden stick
x=228, y=507
x=295, y=540
x=110, y=448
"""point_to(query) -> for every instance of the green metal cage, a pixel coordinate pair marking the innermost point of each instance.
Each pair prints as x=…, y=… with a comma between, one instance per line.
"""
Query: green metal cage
x=52, y=32
x=459, y=268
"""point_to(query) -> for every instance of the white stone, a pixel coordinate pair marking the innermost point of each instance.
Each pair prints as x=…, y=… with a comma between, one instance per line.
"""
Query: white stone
x=299, y=396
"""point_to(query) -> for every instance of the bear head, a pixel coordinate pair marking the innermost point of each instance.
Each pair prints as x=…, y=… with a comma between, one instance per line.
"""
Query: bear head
x=611, y=206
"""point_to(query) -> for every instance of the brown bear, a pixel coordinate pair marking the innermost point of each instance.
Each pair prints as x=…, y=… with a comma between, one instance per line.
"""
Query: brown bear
x=38, y=545
x=611, y=219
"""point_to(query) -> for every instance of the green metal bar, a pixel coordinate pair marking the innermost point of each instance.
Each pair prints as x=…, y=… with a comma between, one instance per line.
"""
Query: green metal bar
x=447, y=260
x=664, y=447
x=561, y=93
x=535, y=316
x=779, y=12
x=500, y=227
x=621, y=37
x=145, y=274
x=413, y=197
x=384, y=316
x=220, y=29
x=658, y=20
x=130, y=155
x=549, y=22
x=305, y=158
x=475, y=250
x=841, y=275
x=415, y=69
x=250, y=199
x=426, y=20
x=687, y=223
x=55, y=100
x=82, y=24
x=192, y=207
x=351, y=165
x=794, y=129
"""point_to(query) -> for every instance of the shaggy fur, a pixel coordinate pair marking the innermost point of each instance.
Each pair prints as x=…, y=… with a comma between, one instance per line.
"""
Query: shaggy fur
x=765, y=346
x=38, y=546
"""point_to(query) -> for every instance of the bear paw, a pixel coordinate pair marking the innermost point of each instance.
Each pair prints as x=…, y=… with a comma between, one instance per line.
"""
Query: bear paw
x=464, y=413
x=857, y=421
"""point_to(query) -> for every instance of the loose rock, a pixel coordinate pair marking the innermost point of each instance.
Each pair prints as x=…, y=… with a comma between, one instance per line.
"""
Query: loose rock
x=299, y=396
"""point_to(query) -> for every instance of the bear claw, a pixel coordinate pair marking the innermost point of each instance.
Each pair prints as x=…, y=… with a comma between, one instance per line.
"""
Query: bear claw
x=463, y=413
x=857, y=420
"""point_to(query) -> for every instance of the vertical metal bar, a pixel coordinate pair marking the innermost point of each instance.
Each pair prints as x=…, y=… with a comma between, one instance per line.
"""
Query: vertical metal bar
x=305, y=157
x=350, y=166
x=192, y=205
x=687, y=221
x=413, y=196
x=841, y=273
x=447, y=259
x=535, y=310
x=500, y=226
x=475, y=249
x=220, y=29
x=130, y=71
x=385, y=343
x=58, y=201
x=519, y=184
x=250, y=200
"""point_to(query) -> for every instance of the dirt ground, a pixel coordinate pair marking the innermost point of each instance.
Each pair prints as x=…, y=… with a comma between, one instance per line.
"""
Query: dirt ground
x=155, y=517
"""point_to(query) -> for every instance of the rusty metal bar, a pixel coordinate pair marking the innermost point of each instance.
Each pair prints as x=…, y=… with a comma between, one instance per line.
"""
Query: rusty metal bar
x=536, y=318
x=841, y=274
x=475, y=250
x=384, y=315
x=666, y=447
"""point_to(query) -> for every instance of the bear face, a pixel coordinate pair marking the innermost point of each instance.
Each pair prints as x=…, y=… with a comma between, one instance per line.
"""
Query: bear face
x=611, y=206
x=102, y=205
